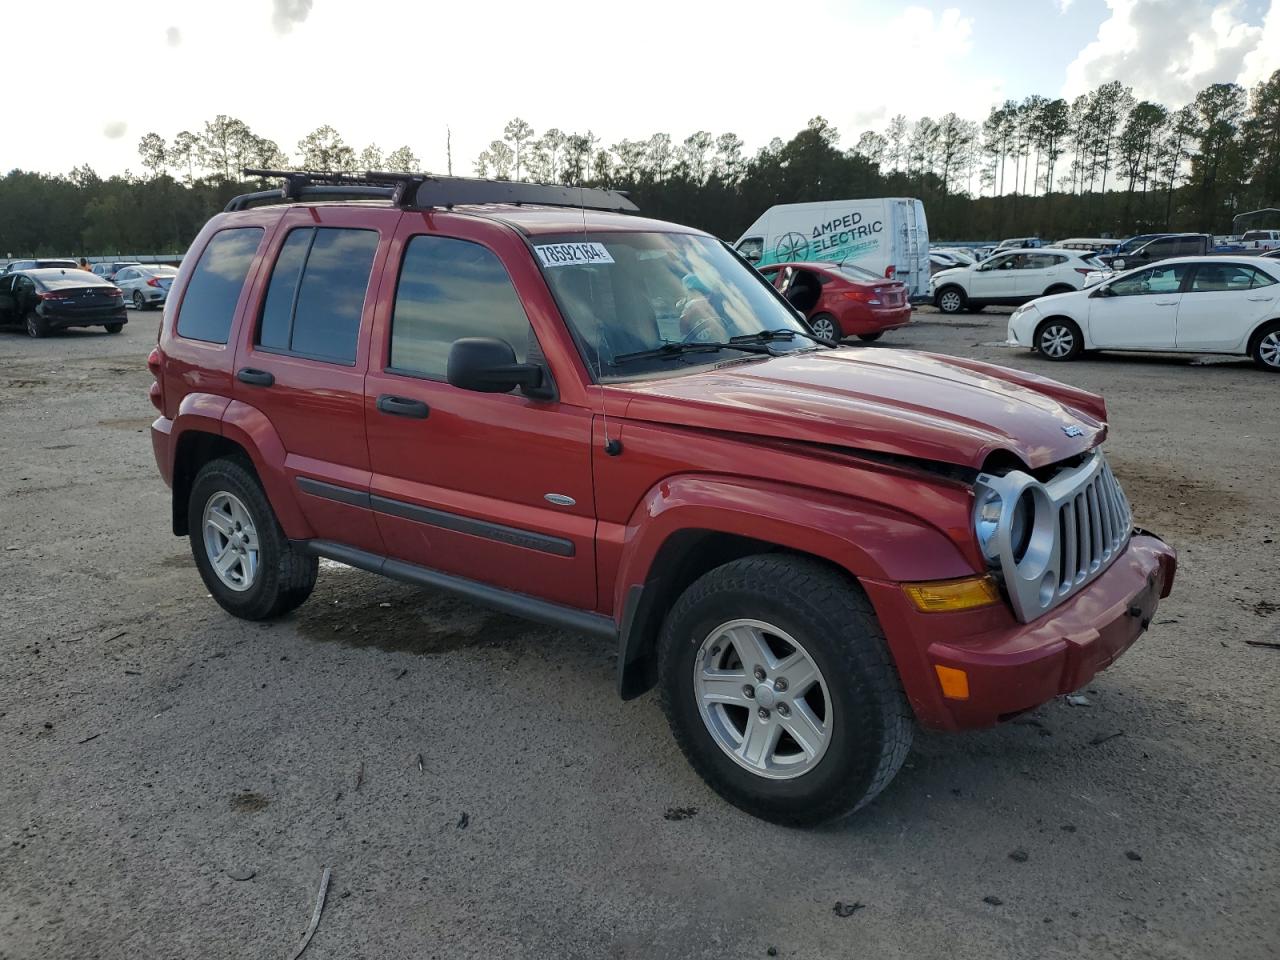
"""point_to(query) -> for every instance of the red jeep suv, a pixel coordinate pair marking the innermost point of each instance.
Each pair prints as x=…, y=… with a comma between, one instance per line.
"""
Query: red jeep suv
x=531, y=398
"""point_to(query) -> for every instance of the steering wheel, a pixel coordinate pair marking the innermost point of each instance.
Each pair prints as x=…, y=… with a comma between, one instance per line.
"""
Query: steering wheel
x=697, y=328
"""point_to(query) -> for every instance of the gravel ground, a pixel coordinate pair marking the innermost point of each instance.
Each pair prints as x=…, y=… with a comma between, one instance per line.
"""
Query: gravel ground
x=479, y=791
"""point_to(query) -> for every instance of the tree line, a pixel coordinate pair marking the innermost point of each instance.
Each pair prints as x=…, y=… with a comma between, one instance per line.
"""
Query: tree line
x=1104, y=163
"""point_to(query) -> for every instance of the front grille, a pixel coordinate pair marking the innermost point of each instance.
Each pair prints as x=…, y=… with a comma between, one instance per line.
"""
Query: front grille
x=1082, y=522
x=1094, y=524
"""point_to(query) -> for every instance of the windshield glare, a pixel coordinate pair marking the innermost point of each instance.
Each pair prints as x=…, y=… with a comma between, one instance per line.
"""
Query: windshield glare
x=652, y=289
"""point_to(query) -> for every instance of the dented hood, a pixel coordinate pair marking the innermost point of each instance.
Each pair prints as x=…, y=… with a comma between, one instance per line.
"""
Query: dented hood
x=889, y=401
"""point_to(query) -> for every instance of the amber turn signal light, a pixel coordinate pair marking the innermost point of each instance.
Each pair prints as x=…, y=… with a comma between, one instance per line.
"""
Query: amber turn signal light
x=945, y=596
x=954, y=682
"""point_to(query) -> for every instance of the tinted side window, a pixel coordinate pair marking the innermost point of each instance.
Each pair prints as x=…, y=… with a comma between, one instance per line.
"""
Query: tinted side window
x=209, y=305
x=1159, y=248
x=316, y=296
x=1157, y=280
x=450, y=289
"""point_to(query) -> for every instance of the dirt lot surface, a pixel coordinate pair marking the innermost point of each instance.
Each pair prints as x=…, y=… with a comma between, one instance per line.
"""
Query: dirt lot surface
x=479, y=791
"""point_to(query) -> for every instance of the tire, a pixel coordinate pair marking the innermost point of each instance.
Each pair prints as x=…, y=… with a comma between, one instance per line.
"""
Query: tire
x=37, y=327
x=1058, y=339
x=857, y=694
x=951, y=300
x=826, y=326
x=1265, y=347
x=275, y=578
x=138, y=302
x=1059, y=288
x=871, y=337
x=113, y=327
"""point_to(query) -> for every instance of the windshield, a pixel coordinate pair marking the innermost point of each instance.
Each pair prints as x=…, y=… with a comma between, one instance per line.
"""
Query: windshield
x=624, y=293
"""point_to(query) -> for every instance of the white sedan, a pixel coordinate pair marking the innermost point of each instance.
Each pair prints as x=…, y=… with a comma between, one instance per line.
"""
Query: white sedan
x=1190, y=304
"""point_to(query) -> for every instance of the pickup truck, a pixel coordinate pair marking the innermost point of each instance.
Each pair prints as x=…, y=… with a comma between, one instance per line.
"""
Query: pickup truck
x=1259, y=241
x=526, y=396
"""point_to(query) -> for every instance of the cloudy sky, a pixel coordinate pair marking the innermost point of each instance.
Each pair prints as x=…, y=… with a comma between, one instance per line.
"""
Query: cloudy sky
x=398, y=71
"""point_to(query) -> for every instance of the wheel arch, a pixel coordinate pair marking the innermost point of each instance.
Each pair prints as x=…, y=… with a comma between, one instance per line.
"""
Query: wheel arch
x=691, y=525
x=1256, y=334
x=239, y=432
x=1085, y=342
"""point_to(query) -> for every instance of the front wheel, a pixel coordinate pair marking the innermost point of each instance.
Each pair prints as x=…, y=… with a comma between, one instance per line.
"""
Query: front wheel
x=242, y=554
x=951, y=300
x=1266, y=348
x=780, y=691
x=824, y=325
x=1059, y=339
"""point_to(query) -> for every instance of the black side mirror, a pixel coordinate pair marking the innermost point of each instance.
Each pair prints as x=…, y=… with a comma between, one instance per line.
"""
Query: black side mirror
x=488, y=365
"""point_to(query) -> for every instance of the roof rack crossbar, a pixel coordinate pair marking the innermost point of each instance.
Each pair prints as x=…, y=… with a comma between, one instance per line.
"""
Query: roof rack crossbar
x=422, y=190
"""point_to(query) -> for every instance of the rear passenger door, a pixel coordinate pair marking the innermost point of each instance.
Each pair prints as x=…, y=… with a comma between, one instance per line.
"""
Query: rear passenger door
x=303, y=354
x=1223, y=303
x=491, y=487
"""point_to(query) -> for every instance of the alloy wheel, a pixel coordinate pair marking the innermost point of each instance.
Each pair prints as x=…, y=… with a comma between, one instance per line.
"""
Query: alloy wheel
x=824, y=328
x=1269, y=349
x=763, y=699
x=231, y=541
x=950, y=302
x=1056, y=341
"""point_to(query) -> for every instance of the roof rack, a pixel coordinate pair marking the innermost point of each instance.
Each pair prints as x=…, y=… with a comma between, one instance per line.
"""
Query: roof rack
x=419, y=191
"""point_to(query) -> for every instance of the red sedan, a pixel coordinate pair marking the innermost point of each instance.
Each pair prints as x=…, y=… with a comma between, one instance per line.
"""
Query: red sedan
x=842, y=300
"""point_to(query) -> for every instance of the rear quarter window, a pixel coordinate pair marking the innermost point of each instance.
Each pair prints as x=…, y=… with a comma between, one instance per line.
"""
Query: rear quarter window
x=209, y=304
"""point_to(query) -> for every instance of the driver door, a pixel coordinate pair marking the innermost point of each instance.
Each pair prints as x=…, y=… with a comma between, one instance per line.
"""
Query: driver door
x=991, y=280
x=493, y=487
x=1140, y=312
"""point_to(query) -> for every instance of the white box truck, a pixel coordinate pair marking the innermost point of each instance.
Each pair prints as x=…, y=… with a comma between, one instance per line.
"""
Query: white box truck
x=886, y=235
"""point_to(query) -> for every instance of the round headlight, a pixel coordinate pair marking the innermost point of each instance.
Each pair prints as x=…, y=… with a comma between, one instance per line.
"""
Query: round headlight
x=1022, y=525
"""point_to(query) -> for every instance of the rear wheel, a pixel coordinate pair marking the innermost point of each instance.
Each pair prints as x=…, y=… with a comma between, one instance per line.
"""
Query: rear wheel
x=871, y=337
x=37, y=327
x=114, y=327
x=951, y=300
x=242, y=554
x=780, y=691
x=1059, y=288
x=1266, y=347
x=824, y=325
x=138, y=302
x=1059, y=339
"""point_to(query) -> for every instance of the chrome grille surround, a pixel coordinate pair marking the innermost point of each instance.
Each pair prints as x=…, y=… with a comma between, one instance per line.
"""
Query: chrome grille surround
x=1082, y=523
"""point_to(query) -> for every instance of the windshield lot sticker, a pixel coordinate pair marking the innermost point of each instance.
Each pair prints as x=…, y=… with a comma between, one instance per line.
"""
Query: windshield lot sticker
x=569, y=254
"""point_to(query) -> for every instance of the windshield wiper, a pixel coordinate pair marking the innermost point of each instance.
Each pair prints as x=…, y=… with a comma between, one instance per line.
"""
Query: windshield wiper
x=784, y=333
x=670, y=350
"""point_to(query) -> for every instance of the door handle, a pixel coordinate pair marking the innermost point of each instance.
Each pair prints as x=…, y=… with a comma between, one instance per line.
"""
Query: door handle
x=255, y=378
x=1166, y=303
x=403, y=407
x=1262, y=299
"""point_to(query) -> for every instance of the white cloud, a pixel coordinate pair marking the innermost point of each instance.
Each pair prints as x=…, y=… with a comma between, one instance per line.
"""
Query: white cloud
x=754, y=69
x=1264, y=59
x=1168, y=50
x=1064, y=5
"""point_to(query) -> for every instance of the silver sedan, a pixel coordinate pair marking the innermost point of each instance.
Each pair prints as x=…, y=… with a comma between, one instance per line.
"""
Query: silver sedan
x=145, y=285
